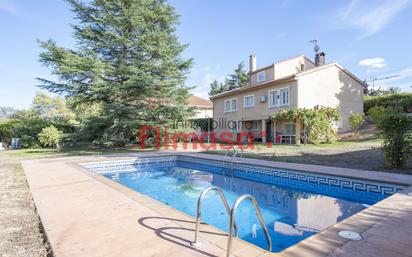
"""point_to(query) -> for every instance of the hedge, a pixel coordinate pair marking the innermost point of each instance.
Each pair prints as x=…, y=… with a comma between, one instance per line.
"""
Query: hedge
x=402, y=100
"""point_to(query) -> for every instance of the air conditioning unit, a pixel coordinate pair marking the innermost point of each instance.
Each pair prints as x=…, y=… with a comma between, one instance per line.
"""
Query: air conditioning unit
x=262, y=98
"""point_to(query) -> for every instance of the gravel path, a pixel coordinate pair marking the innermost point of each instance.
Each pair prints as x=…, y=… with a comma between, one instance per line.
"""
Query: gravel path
x=20, y=233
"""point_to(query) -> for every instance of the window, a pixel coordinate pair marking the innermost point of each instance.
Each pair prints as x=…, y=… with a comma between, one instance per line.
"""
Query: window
x=279, y=97
x=261, y=76
x=231, y=105
x=234, y=105
x=227, y=106
x=273, y=98
x=249, y=101
x=289, y=128
x=284, y=97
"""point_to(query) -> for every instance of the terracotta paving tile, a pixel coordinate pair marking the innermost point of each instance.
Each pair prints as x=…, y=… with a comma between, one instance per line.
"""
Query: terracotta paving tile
x=85, y=214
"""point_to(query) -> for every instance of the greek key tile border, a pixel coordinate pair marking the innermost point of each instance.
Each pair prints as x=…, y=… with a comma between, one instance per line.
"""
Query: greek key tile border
x=251, y=172
x=125, y=165
x=271, y=175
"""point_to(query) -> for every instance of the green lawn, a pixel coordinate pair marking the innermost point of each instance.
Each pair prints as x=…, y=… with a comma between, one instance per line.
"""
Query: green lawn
x=364, y=154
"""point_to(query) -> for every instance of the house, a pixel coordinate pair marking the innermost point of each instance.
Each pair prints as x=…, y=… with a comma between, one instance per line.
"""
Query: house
x=204, y=107
x=296, y=82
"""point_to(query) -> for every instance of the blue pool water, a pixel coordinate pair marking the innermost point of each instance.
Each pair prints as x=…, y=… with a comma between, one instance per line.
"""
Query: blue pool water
x=292, y=211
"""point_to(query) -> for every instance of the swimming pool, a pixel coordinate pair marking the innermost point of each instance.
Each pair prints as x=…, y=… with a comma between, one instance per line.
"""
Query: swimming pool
x=294, y=204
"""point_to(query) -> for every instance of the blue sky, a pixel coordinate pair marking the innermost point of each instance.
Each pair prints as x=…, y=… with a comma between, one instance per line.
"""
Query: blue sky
x=369, y=38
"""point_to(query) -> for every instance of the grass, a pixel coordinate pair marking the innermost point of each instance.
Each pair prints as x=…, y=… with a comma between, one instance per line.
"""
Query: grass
x=363, y=154
x=72, y=151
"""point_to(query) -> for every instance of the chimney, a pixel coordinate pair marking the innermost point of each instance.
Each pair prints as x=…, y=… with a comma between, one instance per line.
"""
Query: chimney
x=252, y=63
x=320, y=59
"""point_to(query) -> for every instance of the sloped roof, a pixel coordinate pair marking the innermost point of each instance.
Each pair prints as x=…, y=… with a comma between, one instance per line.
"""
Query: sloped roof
x=253, y=87
x=286, y=79
x=314, y=69
x=198, y=101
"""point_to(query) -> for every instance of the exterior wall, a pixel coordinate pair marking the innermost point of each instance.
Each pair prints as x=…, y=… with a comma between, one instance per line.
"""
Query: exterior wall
x=202, y=113
x=283, y=69
x=269, y=75
x=334, y=88
x=260, y=111
x=288, y=67
x=308, y=64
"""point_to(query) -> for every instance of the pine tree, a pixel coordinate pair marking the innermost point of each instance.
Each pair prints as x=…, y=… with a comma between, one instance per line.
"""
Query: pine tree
x=127, y=60
x=239, y=78
x=215, y=88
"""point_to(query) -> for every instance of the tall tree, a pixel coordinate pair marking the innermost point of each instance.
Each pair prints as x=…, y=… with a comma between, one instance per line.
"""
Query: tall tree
x=239, y=78
x=216, y=88
x=51, y=108
x=127, y=60
x=7, y=112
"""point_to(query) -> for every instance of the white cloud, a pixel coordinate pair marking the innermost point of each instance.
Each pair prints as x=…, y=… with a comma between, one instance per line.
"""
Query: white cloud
x=370, y=18
x=375, y=63
x=203, y=90
x=7, y=6
x=203, y=78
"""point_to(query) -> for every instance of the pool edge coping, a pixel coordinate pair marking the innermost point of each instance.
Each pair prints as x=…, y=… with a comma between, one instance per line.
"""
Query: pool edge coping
x=325, y=235
x=132, y=194
x=291, y=251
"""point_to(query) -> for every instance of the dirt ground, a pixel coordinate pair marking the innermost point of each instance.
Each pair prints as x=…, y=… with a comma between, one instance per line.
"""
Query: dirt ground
x=20, y=233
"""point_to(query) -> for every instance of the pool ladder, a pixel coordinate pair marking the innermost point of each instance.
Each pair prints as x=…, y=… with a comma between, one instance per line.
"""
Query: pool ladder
x=232, y=214
x=236, y=151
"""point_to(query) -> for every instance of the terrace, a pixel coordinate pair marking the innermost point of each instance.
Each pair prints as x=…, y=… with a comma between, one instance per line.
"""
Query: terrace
x=85, y=214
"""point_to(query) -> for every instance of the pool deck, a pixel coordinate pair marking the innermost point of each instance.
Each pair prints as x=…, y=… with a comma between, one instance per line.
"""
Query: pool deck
x=85, y=214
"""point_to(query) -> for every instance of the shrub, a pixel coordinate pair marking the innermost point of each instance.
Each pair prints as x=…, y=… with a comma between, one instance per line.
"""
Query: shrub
x=50, y=136
x=356, y=121
x=29, y=124
x=401, y=100
x=7, y=131
x=28, y=141
x=376, y=113
x=396, y=130
x=205, y=124
x=317, y=122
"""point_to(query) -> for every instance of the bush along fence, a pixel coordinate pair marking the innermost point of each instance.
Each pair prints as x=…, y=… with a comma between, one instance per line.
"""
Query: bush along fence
x=402, y=100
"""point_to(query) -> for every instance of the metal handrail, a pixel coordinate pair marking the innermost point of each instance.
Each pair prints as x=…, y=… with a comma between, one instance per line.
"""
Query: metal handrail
x=236, y=152
x=199, y=208
x=227, y=152
x=232, y=221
